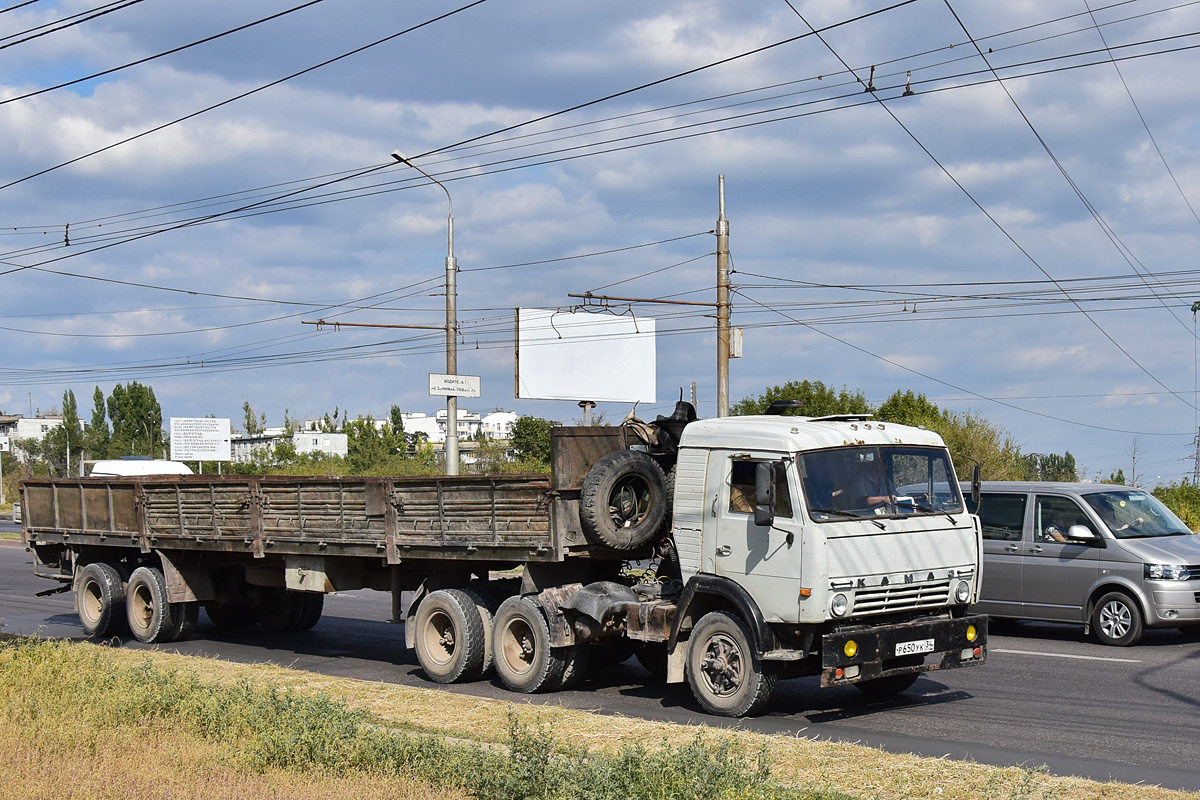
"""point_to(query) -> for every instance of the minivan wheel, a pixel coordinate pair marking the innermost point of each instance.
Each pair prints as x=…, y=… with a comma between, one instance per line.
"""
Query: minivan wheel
x=1117, y=620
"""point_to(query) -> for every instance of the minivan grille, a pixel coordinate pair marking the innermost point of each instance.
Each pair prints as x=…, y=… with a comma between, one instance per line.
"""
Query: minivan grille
x=901, y=597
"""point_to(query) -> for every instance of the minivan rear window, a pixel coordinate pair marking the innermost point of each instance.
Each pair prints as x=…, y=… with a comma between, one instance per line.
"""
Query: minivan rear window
x=1001, y=515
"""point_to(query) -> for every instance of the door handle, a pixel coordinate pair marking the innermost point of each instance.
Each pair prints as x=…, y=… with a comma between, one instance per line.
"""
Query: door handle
x=1012, y=548
x=724, y=550
x=1037, y=548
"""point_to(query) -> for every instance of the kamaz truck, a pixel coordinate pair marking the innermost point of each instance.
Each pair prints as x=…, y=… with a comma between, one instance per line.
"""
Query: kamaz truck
x=728, y=553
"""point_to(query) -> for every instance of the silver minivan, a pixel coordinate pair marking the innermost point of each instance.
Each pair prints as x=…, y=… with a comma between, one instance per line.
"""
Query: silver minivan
x=1111, y=557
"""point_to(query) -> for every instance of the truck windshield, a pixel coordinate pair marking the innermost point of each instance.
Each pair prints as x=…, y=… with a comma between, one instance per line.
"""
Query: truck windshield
x=887, y=481
x=1134, y=514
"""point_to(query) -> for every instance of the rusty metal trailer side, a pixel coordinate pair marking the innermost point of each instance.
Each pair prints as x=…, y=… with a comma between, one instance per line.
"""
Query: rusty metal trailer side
x=476, y=517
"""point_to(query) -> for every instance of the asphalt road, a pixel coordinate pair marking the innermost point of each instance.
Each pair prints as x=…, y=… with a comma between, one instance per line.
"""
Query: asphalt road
x=1046, y=696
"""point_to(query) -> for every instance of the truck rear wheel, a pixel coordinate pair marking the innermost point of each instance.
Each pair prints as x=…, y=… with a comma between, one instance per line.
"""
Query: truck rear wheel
x=450, y=637
x=184, y=617
x=146, y=606
x=577, y=657
x=623, y=500
x=100, y=597
x=525, y=661
x=726, y=677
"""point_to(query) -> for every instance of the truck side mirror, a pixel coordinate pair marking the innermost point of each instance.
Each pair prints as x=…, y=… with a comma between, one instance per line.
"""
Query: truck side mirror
x=764, y=493
x=976, y=484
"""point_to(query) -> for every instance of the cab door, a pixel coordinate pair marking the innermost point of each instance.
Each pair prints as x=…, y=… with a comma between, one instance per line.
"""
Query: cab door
x=758, y=557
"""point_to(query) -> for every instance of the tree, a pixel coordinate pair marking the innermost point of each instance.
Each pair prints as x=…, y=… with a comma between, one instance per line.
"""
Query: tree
x=531, y=439
x=1117, y=477
x=137, y=421
x=254, y=423
x=1049, y=467
x=63, y=448
x=817, y=400
x=907, y=408
x=97, y=436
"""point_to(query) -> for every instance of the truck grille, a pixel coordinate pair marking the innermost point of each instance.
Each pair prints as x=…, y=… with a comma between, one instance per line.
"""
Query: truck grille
x=901, y=597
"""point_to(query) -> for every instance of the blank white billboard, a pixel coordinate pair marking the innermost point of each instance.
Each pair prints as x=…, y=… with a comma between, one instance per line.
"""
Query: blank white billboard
x=602, y=357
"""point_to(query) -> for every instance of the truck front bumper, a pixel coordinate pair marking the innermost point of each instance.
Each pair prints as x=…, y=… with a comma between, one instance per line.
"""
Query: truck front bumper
x=861, y=653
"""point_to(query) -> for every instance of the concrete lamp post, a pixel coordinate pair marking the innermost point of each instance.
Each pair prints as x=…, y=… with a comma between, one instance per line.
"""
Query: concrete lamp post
x=451, y=321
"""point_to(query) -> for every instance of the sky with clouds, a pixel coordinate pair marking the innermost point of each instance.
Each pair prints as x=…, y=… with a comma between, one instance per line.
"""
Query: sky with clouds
x=1008, y=223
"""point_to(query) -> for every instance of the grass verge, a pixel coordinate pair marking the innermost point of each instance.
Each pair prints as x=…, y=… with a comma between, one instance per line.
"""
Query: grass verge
x=78, y=720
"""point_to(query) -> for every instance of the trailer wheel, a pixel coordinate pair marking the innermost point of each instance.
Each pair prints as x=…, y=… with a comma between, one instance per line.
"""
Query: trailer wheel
x=312, y=606
x=146, y=606
x=100, y=597
x=726, y=677
x=230, y=615
x=525, y=661
x=278, y=610
x=623, y=500
x=450, y=637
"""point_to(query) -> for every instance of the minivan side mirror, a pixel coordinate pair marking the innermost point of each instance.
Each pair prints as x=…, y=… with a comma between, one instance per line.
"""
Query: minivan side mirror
x=764, y=493
x=1082, y=534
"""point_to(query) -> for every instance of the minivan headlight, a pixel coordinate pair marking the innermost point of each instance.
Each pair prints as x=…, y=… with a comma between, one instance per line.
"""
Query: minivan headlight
x=1167, y=572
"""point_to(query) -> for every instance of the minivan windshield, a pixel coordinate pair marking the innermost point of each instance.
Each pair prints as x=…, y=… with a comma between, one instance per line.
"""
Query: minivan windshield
x=1134, y=514
x=874, y=481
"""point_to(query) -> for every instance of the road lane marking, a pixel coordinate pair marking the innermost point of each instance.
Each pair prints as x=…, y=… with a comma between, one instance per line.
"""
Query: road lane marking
x=1065, y=655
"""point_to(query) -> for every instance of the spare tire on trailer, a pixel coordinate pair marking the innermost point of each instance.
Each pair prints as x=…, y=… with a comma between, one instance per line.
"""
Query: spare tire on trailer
x=623, y=501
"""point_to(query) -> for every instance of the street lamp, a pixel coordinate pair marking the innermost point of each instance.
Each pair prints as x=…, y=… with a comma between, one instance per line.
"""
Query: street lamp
x=451, y=322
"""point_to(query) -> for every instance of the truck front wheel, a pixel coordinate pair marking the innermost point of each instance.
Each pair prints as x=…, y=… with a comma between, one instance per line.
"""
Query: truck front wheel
x=100, y=597
x=450, y=637
x=726, y=677
x=525, y=661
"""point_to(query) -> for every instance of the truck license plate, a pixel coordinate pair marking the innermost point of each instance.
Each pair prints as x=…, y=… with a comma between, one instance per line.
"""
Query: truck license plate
x=912, y=648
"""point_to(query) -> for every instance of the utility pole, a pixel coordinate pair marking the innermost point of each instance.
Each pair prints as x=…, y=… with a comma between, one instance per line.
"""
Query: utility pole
x=722, y=304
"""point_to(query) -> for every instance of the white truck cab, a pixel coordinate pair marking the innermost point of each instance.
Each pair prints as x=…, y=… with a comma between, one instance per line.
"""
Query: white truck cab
x=842, y=535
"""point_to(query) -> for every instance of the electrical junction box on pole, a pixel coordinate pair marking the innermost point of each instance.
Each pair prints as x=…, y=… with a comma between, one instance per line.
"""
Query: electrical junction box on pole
x=735, y=342
x=454, y=385
x=5, y=447
x=200, y=439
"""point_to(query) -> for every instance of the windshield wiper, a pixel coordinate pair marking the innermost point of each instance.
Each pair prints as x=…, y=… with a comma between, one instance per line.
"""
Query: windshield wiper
x=837, y=512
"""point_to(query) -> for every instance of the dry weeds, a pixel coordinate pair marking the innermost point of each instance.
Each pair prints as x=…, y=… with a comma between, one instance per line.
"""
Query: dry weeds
x=796, y=761
x=60, y=759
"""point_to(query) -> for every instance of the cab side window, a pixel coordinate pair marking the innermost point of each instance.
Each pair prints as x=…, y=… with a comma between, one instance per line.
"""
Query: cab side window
x=741, y=489
x=1002, y=516
x=1054, y=516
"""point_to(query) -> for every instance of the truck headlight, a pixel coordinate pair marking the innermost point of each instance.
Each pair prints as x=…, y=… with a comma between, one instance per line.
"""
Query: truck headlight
x=962, y=592
x=1167, y=572
x=839, y=605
